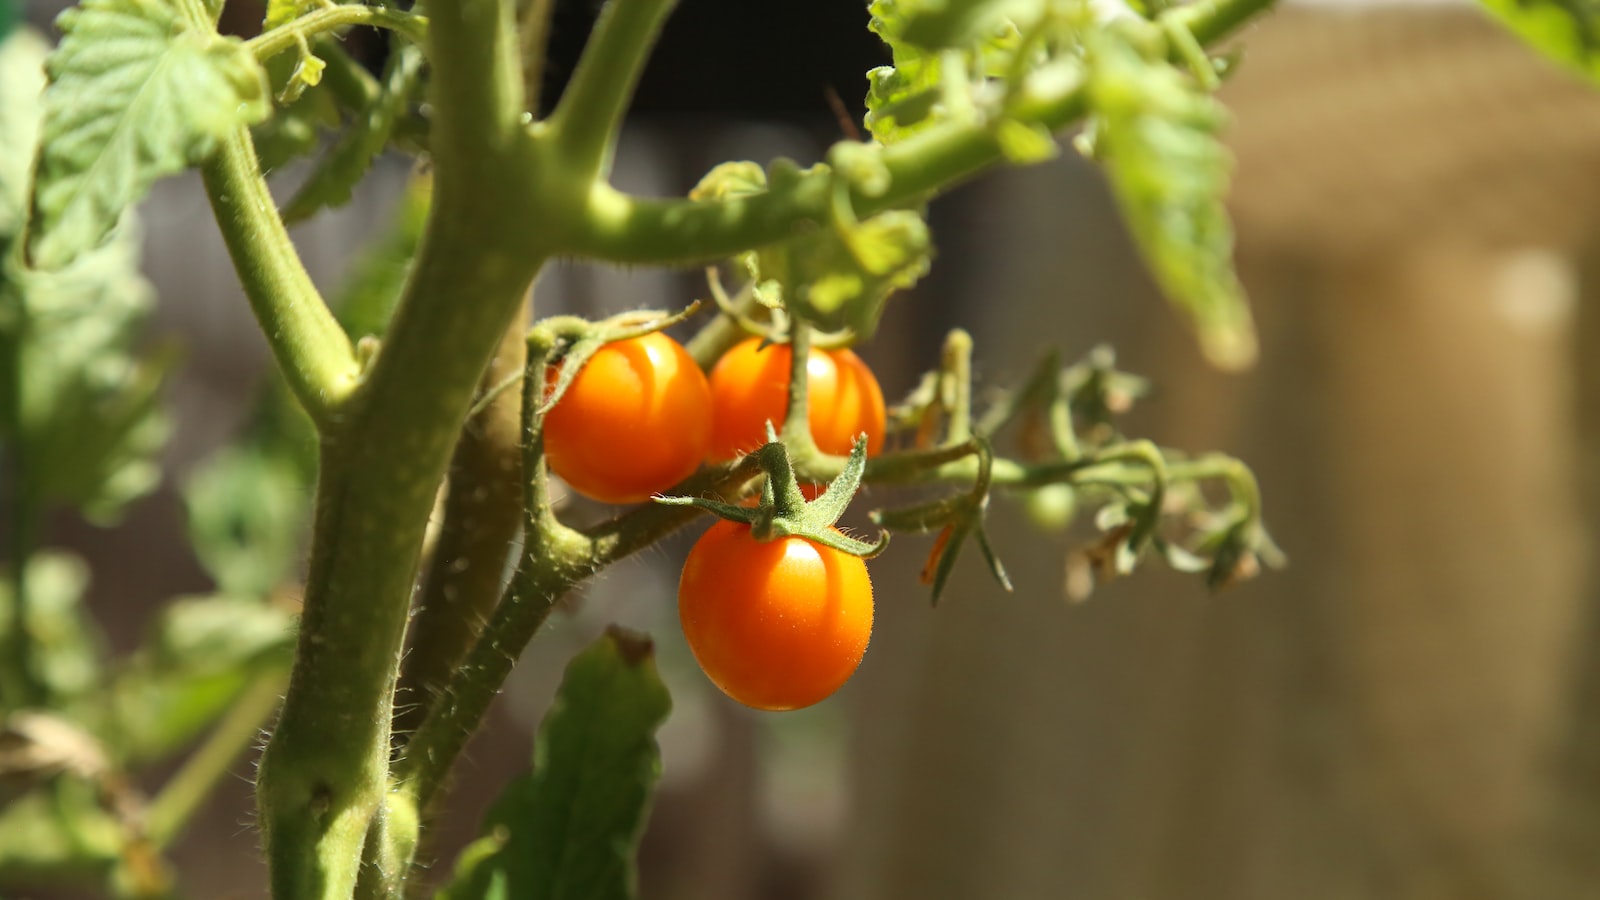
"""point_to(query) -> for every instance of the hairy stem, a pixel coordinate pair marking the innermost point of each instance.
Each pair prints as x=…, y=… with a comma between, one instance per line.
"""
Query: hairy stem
x=534, y=590
x=311, y=349
x=482, y=515
x=323, y=784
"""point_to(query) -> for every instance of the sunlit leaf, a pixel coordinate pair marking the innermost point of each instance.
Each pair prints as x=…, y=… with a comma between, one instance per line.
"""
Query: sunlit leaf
x=22, y=55
x=137, y=93
x=87, y=422
x=1567, y=31
x=1156, y=135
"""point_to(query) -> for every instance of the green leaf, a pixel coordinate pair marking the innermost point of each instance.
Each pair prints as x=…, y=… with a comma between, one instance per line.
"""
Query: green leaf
x=337, y=173
x=841, y=277
x=86, y=418
x=731, y=179
x=937, y=47
x=569, y=830
x=247, y=511
x=1566, y=31
x=66, y=649
x=63, y=829
x=201, y=654
x=22, y=55
x=1155, y=132
x=367, y=299
x=136, y=93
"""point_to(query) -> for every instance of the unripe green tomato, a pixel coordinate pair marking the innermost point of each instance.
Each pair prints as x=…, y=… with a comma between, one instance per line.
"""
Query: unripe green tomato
x=1051, y=507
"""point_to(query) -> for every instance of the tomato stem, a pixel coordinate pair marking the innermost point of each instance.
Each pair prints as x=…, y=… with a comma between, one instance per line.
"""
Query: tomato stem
x=483, y=514
x=313, y=352
x=589, y=115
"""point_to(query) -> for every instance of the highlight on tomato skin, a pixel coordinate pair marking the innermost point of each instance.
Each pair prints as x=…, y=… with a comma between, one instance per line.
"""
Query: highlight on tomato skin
x=776, y=625
x=750, y=386
x=635, y=421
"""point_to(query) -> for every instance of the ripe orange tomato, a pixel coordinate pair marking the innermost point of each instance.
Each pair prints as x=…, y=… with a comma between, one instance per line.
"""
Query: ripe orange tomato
x=635, y=421
x=778, y=624
x=750, y=386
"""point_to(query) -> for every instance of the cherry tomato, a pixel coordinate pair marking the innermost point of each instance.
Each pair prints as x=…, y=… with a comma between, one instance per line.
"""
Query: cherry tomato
x=750, y=385
x=778, y=624
x=635, y=421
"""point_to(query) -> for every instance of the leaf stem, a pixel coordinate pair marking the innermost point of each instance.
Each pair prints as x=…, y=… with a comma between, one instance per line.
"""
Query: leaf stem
x=312, y=350
x=590, y=112
x=482, y=516
x=331, y=18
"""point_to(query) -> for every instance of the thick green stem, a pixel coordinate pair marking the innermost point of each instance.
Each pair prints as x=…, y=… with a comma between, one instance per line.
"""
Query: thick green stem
x=482, y=515
x=437, y=743
x=323, y=783
x=377, y=484
x=591, y=110
x=312, y=351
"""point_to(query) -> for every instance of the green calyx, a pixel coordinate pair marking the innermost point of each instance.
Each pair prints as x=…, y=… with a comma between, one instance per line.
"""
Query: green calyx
x=785, y=512
x=575, y=340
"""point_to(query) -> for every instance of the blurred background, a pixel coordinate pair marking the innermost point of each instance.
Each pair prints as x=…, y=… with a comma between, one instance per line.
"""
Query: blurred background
x=1410, y=711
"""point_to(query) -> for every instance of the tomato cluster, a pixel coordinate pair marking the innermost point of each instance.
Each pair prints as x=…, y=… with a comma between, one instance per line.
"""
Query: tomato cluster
x=778, y=624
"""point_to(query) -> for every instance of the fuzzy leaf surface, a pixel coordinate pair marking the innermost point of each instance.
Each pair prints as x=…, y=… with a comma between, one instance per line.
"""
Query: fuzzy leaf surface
x=136, y=93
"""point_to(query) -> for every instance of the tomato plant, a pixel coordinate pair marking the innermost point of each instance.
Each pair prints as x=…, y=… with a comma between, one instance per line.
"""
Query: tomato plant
x=777, y=625
x=398, y=385
x=635, y=420
x=750, y=385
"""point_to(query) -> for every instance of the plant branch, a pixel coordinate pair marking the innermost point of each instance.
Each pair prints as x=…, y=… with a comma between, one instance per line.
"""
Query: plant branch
x=535, y=588
x=626, y=229
x=482, y=516
x=590, y=112
x=331, y=18
x=320, y=799
x=311, y=349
